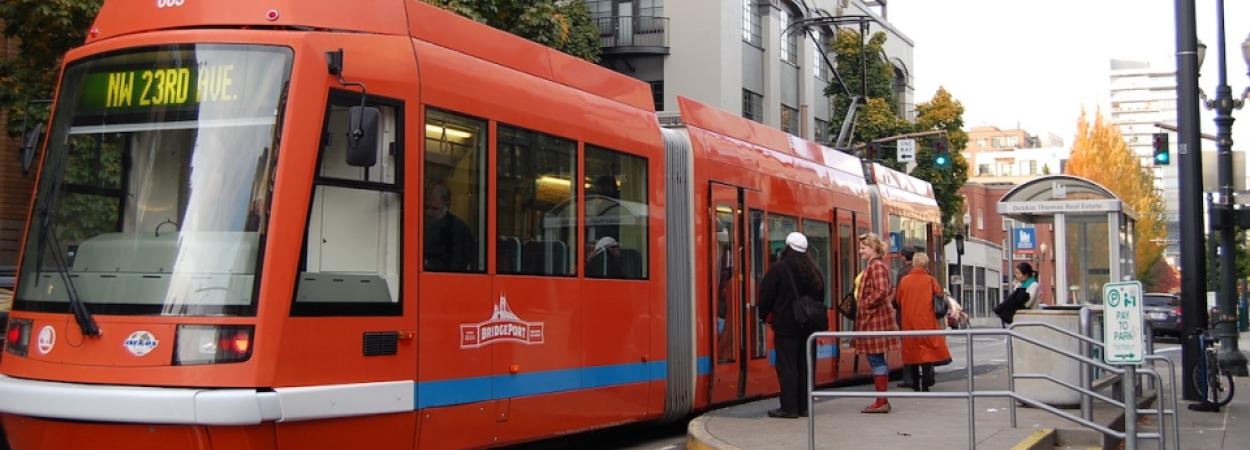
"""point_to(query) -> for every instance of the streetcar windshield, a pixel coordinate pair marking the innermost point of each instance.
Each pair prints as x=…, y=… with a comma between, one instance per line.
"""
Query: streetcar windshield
x=155, y=191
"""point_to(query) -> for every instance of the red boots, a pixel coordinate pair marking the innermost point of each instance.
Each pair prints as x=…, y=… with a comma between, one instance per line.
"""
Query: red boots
x=883, y=404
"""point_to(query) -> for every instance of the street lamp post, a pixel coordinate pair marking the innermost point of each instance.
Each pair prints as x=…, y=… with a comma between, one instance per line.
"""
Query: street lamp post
x=1223, y=220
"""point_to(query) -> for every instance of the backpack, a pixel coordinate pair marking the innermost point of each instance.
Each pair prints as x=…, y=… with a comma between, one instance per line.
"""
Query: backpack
x=809, y=313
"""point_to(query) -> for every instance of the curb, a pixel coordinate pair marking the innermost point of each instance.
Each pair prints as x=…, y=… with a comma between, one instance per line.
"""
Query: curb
x=1040, y=439
x=698, y=438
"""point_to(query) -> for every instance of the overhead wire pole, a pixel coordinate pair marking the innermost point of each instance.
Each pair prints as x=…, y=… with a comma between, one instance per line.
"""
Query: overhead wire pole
x=844, y=135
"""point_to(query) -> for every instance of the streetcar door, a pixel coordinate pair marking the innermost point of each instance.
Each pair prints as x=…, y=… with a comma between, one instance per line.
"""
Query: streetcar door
x=761, y=377
x=727, y=312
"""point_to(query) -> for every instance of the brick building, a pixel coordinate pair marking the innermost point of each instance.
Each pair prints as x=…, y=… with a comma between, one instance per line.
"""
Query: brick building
x=14, y=187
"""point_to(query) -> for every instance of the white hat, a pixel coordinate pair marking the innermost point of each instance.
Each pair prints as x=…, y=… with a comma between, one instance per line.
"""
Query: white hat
x=605, y=243
x=797, y=242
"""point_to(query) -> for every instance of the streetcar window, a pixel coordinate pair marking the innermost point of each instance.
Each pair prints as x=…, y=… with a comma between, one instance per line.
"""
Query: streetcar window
x=846, y=276
x=778, y=228
x=755, y=235
x=537, y=203
x=818, y=247
x=454, y=200
x=616, y=214
x=351, y=260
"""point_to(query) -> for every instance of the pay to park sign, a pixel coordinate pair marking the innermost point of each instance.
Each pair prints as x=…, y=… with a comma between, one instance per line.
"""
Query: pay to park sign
x=1122, y=323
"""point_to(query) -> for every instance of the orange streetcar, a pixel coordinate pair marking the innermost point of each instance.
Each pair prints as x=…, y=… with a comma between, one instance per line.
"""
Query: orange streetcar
x=298, y=225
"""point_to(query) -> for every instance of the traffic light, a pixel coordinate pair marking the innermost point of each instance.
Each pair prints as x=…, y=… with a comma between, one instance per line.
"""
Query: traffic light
x=1162, y=156
x=941, y=158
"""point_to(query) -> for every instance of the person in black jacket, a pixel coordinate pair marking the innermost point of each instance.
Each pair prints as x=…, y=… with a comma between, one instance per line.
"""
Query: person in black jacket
x=777, y=296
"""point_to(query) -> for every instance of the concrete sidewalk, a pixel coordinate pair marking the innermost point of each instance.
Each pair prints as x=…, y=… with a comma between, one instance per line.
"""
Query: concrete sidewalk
x=943, y=423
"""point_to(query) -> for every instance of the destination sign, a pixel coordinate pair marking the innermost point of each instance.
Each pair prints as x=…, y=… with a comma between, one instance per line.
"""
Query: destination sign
x=130, y=90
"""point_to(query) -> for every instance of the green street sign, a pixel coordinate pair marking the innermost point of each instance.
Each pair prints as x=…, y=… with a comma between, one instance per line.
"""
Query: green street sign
x=1122, y=323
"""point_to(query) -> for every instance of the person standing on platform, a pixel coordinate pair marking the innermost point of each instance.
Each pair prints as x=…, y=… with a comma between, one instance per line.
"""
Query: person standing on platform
x=916, y=293
x=907, y=252
x=793, y=275
x=875, y=312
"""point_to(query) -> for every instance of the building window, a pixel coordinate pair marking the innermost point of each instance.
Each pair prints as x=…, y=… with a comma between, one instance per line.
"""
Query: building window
x=752, y=28
x=789, y=42
x=752, y=106
x=899, y=87
x=657, y=94
x=822, y=131
x=998, y=142
x=1013, y=141
x=651, y=8
x=819, y=46
x=1032, y=167
x=982, y=143
x=789, y=120
x=983, y=169
x=980, y=219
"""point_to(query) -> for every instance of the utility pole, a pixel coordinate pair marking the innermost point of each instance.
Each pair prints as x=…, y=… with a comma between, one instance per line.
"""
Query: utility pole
x=1189, y=167
x=1222, y=212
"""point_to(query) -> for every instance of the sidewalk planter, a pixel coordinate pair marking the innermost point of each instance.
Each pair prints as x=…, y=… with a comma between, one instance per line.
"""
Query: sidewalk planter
x=1031, y=359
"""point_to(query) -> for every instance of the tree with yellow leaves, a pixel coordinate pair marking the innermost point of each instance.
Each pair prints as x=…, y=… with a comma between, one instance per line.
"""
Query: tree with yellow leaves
x=1101, y=155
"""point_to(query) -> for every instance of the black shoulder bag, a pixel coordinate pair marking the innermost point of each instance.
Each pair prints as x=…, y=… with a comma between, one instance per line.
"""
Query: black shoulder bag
x=809, y=314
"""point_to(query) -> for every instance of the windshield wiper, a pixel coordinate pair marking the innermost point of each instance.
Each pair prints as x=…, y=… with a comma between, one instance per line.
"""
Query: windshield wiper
x=47, y=235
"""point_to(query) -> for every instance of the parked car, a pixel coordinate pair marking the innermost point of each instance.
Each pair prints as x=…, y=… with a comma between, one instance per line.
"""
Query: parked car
x=1163, y=310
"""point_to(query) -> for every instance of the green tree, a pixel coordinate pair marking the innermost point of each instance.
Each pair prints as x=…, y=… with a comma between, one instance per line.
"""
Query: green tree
x=943, y=113
x=1101, y=155
x=875, y=119
x=879, y=118
x=45, y=30
x=560, y=24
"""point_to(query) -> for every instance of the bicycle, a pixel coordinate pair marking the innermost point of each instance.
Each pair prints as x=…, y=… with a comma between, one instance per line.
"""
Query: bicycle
x=1213, y=381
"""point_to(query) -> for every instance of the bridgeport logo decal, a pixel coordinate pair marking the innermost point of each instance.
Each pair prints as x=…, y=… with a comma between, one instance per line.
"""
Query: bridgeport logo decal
x=140, y=343
x=503, y=326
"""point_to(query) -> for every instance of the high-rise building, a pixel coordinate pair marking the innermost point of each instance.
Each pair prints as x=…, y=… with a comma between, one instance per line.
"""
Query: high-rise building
x=1141, y=96
x=731, y=54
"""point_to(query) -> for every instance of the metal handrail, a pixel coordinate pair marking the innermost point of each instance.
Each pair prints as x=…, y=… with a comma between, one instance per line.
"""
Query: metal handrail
x=1086, y=412
x=1127, y=373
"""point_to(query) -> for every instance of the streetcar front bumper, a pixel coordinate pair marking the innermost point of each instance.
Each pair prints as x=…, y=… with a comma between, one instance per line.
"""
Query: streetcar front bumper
x=200, y=406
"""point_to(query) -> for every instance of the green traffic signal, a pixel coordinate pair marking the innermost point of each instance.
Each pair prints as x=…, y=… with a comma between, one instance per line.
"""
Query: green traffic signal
x=1163, y=157
x=943, y=158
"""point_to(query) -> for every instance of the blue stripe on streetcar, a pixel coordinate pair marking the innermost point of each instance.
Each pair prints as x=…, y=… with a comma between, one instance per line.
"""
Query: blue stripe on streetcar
x=476, y=389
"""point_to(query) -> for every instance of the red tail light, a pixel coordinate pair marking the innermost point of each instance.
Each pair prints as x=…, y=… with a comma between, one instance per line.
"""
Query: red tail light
x=17, y=337
x=212, y=344
x=1176, y=310
x=240, y=343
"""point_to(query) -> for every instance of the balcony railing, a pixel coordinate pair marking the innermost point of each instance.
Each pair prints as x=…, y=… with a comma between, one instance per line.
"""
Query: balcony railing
x=633, y=34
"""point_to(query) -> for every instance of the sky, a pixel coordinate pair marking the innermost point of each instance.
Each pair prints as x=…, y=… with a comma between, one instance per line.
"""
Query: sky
x=1036, y=63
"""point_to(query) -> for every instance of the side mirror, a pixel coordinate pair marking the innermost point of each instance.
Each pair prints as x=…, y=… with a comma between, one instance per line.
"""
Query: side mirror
x=362, y=136
x=30, y=146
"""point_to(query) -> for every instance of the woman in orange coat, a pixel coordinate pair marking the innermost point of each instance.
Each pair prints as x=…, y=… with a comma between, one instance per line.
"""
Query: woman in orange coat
x=915, y=298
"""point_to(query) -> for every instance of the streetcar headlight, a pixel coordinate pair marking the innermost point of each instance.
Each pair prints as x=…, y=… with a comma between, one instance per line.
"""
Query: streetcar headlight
x=17, y=337
x=212, y=344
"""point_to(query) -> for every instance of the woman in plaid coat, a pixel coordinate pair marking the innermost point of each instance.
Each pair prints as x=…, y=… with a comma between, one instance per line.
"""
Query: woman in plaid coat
x=875, y=312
